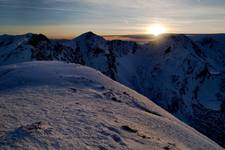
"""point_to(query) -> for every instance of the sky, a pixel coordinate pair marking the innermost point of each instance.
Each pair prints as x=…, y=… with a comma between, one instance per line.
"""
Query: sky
x=69, y=18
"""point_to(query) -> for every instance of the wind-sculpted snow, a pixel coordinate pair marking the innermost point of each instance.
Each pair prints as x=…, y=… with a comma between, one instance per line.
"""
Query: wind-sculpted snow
x=55, y=105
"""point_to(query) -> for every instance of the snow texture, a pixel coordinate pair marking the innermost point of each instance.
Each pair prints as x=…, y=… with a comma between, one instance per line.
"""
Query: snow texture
x=56, y=105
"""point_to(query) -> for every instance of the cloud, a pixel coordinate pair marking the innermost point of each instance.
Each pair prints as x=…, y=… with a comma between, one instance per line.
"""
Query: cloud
x=114, y=15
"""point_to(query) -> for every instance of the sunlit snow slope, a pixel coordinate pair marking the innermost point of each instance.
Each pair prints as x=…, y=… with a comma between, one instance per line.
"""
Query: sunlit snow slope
x=55, y=105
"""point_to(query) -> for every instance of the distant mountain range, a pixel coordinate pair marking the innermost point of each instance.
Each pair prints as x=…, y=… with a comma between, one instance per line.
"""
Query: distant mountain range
x=184, y=74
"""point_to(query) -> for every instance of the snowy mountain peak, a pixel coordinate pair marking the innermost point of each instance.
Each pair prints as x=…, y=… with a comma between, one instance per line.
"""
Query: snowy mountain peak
x=178, y=43
x=88, y=36
x=29, y=34
x=35, y=39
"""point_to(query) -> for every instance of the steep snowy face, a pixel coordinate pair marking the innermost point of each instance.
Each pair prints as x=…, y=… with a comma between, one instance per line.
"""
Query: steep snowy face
x=214, y=48
x=13, y=49
x=93, y=50
x=173, y=60
x=55, y=105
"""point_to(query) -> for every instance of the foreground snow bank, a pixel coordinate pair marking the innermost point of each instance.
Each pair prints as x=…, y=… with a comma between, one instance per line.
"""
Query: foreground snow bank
x=54, y=105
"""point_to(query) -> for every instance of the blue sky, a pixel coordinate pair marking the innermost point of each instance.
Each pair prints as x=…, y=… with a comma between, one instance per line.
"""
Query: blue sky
x=67, y=18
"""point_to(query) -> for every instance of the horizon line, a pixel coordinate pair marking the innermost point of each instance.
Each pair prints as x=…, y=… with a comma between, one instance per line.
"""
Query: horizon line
x=110, y=35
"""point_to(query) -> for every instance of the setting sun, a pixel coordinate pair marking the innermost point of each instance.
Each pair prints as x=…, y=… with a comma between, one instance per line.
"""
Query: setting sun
x=156, y=29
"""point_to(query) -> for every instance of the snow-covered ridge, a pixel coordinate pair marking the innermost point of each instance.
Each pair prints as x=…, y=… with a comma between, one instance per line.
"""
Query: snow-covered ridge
x=183, y=74
x=56, y=105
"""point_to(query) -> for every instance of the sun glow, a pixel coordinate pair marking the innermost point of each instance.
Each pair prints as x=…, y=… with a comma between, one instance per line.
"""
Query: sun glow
x=156, y=29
